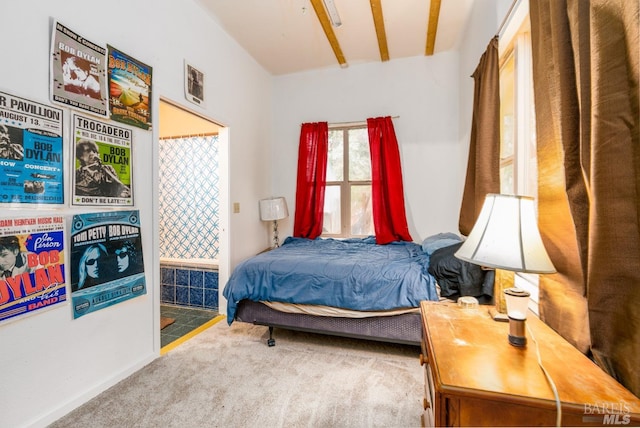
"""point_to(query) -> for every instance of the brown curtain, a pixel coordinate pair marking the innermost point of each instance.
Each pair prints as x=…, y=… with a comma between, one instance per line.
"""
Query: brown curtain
x=483, y=165
x=585, y=73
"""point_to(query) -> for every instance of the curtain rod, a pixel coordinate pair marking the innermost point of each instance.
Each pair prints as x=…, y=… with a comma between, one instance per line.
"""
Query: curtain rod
x=177, y=137
x=507, y=17
x=362, y=122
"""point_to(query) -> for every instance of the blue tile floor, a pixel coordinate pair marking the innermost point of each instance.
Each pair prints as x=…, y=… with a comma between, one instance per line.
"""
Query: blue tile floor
x=186, y=320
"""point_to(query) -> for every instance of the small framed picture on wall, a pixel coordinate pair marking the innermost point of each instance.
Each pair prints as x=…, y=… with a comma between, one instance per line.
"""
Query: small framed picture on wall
x=193, y=84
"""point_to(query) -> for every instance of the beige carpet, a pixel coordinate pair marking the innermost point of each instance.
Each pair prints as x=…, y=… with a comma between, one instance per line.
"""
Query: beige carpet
x=166, y=321
x=228, y=377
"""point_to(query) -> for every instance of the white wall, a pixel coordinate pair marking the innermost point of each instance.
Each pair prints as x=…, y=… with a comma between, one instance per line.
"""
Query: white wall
x=422, y=91
x=433, y=97
x=51, y=363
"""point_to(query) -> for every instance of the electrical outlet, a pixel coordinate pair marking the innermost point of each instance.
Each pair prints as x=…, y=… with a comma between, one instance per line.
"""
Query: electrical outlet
x=236, y=207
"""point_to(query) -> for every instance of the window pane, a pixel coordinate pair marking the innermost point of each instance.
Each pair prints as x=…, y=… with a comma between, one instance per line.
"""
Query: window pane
x=507, y=108
x=331, y=220
x=359, y=156
x=532, y=161
x=507, y=125
x=507, y=185
x=361, y=212
x=335, y=162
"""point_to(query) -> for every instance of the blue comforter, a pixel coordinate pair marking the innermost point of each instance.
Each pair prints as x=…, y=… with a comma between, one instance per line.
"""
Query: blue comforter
x=353, y=274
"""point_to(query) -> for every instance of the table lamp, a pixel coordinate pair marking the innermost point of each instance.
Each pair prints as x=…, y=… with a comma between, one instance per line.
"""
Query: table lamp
x=274, y=209
x=506, y=236
x=517, y=305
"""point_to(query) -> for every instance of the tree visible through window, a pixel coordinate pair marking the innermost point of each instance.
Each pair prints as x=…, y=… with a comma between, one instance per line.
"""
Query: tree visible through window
x=347, y=204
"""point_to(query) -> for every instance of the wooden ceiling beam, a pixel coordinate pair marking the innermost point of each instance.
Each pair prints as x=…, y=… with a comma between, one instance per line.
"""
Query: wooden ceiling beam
x=378, y=21
x=318, y=7
x=432, y=28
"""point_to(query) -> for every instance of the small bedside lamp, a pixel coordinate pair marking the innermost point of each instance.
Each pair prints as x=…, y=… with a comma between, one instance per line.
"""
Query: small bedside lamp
x=506, y=236
x=274, y=209
x=517, y=305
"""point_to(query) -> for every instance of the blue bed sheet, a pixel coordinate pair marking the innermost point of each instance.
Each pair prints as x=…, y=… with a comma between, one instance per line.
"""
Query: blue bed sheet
x=354, y=274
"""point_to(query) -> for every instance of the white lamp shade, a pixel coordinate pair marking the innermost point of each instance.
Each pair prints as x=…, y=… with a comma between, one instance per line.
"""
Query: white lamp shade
x=273, y=209
x=506, y=236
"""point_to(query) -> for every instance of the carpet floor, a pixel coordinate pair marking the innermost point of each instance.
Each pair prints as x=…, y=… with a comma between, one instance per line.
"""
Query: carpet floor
x=228, y=377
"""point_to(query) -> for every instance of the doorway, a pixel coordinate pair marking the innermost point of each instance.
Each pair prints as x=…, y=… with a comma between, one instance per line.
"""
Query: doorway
x=189, y=223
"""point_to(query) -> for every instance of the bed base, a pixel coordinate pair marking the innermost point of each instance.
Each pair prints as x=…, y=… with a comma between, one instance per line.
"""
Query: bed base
x=403, y=329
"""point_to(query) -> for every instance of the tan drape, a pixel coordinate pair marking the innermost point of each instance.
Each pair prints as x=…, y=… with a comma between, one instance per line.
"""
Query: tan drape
x=483, y=166
x=585, y=68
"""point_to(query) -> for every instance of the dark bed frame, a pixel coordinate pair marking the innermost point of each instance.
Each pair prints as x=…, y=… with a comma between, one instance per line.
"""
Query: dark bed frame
x=404, y=329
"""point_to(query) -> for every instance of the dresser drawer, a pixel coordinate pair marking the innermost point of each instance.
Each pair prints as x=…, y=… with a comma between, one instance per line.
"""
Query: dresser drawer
x=429, y=392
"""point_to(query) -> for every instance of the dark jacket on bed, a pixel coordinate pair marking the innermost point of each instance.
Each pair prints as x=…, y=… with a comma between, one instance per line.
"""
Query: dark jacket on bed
x=460, y=278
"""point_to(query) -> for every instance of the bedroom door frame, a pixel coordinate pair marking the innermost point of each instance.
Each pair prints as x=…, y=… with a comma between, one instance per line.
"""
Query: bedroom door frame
x=223, y=187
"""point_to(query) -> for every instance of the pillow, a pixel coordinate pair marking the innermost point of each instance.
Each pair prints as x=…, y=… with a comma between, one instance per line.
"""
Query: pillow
x=440, y=240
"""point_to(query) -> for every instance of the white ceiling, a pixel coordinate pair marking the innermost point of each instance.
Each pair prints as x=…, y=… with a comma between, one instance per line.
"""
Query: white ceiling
x=285, y=36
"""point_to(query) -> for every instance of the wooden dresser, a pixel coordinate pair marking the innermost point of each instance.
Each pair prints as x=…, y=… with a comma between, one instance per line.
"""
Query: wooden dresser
x=474, y=377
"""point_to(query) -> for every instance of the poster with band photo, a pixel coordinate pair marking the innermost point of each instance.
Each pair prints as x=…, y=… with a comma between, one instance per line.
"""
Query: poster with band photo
x=31, y=155
x=101, y=163
x=78, y=72
x=32, y=267
x=107, y=266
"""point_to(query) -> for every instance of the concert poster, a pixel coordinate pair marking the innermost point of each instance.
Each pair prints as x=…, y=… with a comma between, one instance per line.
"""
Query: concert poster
x=102, y=163
x=31, y=164
x=107, y=266
x=78, y=72
x=32, y=268
x=129, y=89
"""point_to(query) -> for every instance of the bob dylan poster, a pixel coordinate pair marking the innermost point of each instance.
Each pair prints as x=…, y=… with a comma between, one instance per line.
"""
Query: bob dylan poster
x=78, y=72
x=106, y=260
x=32, y=271
x=101, y=163
x=129, y=90
x=31, y=165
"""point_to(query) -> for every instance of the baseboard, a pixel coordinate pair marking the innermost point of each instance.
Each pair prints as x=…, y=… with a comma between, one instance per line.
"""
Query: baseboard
x=47, y=419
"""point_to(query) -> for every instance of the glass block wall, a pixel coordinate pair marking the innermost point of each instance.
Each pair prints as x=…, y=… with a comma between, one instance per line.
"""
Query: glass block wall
x=189, y=197
x=193, y=287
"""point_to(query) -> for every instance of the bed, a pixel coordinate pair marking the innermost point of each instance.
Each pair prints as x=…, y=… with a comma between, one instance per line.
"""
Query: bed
x=351, y=287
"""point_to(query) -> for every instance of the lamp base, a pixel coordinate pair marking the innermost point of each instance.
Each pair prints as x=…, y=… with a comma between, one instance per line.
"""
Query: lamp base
x=276, y=242
x=517, y=341
x=517, y=335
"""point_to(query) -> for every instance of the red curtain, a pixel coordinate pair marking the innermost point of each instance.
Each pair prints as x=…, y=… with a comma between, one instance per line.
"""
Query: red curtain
x=387, y=191
x=312, y=179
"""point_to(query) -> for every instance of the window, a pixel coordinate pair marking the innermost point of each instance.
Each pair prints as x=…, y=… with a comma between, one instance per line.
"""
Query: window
x=518, y=161
x=347, y=204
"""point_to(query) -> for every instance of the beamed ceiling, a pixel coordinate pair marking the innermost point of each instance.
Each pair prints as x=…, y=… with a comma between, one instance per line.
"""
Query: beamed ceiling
x=289, y=36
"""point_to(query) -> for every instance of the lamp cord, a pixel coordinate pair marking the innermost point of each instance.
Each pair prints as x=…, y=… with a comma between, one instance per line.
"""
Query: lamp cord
x=549, y=380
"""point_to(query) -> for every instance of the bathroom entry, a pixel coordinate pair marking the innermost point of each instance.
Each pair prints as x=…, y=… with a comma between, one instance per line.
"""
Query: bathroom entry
x=188, y=217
